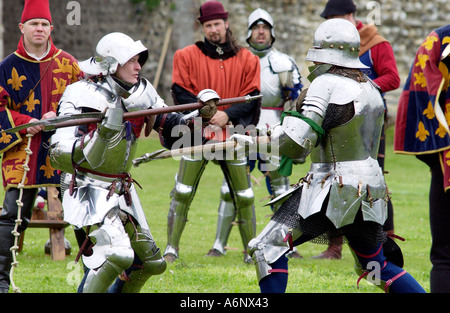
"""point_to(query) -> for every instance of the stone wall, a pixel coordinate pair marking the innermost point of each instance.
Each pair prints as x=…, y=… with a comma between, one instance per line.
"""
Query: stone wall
x=405, y=23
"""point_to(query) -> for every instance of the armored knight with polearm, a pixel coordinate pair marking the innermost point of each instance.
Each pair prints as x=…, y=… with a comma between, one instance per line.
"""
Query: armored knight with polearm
x=100, y=199
x=338, y=124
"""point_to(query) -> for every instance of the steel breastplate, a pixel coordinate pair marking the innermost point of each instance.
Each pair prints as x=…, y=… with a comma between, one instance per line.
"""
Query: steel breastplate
x=344, y=164
x=272, y=64
x=358, y=138
x=120, y=148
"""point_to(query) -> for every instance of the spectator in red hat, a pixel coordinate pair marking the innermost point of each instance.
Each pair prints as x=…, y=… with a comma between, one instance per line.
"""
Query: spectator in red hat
x=32, y=80
x=220, y=64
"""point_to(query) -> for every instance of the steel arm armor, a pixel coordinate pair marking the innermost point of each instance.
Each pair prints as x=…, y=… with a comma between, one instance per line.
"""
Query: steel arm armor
x=107, y=134
x=294, y=137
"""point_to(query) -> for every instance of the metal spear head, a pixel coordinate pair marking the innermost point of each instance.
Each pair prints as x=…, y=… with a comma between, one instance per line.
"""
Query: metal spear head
x=147, y=157
x=51, y=123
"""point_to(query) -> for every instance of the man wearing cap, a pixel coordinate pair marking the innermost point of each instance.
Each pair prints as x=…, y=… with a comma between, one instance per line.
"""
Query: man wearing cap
x=280, y=87
x=220, y=64
x=377, y=54
x=32, y=80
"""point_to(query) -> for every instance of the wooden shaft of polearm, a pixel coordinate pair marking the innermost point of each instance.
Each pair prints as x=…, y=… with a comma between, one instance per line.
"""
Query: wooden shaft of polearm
x=157, y=111
x=201, y=149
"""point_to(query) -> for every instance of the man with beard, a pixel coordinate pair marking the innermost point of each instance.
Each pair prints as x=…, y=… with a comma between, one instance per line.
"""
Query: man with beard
x=280, y=87
x=216, y=63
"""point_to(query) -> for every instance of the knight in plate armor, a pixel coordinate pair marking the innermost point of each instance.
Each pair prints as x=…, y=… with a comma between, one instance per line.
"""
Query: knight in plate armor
x=280, y=87
x=338, y=124
x=100, y=199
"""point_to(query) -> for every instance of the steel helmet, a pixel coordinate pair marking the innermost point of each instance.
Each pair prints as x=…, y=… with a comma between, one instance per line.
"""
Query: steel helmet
x=112, y=50
x=259, y=15
x=336, y=42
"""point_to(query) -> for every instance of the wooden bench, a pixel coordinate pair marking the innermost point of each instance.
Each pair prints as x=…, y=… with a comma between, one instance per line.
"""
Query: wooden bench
x=51, y=219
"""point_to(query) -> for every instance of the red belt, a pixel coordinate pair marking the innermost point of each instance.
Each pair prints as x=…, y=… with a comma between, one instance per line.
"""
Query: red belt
x=125, y=177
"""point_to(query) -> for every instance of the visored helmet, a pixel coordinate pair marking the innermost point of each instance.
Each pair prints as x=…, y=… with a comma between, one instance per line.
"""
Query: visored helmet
x=336, y=42
x=112, y=50
x=259, y=15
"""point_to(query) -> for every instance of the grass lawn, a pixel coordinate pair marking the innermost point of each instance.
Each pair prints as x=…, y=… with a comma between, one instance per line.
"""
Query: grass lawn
x=408, y=180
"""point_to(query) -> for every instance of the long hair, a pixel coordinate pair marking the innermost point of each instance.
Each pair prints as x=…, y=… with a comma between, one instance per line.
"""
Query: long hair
x=233, y=42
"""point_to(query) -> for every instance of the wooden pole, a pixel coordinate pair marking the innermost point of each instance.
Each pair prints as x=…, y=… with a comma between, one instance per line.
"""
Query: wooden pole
x=162, y=57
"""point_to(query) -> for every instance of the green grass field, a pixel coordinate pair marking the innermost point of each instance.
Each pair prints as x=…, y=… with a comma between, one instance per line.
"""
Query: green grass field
x=408, y=180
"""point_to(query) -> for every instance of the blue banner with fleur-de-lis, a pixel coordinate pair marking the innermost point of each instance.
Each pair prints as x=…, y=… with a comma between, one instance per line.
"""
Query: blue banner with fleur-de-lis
x=423, y=114
x=417, y=129
x=29, y=89
x=7, y=140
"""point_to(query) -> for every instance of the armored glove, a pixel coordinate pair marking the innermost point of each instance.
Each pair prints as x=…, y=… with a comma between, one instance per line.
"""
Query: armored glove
x=209, y=98
x=243, y=140
x=242, y=144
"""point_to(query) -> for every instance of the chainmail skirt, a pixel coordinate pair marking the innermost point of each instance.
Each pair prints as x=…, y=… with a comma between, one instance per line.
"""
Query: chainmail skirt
x=317, y=228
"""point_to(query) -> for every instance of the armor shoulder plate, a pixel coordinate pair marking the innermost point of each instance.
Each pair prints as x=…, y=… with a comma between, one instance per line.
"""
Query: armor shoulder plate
x=280, y=62
x=144, y=96
x=334, y=89
x=85, y=94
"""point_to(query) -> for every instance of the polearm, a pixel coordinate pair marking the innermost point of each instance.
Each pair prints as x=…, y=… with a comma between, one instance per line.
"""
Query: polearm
x=196, y=150
x=79, y=119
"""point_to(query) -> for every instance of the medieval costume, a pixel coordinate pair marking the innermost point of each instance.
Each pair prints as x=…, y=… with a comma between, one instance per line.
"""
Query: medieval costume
x=421, y=129
x=30, y=87
x=100, y=198
x=231, y=71
x=344, y=193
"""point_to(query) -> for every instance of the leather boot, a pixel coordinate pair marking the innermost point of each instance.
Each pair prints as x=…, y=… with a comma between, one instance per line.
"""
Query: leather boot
x=7, y=223
x=6, y=242
x=334, y=251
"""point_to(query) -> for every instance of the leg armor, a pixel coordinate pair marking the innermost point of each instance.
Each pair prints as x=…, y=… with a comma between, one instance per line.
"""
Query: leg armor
x=147, y=261
x=186, y=182
x=112, y=254
x=238, y=180
x=226, y=216
x=278, y=184
x=271, y=244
